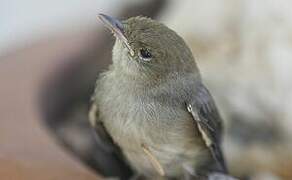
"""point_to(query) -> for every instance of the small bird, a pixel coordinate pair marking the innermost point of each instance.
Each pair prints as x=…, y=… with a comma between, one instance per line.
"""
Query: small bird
x=150, y=108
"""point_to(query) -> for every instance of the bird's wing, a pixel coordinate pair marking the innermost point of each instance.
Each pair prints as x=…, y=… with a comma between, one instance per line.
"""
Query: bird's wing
x=113, y=160
x=207, y=118
x=101, y=136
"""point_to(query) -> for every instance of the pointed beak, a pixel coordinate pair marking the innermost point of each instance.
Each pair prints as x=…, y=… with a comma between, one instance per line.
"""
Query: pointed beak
x=117, y=28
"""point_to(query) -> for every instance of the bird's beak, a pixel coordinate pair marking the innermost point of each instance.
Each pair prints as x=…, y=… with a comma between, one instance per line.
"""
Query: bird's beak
x=117, y=28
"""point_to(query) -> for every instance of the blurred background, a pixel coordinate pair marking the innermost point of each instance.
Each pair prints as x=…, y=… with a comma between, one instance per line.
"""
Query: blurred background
x=52, y=51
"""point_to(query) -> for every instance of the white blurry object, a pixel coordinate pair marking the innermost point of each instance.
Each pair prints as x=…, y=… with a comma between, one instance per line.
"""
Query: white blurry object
x=25, y=21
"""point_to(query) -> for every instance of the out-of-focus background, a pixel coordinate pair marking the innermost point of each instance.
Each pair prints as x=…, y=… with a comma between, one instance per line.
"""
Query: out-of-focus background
x=52, y=51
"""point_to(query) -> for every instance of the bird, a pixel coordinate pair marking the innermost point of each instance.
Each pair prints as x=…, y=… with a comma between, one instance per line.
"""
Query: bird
x=150, y=109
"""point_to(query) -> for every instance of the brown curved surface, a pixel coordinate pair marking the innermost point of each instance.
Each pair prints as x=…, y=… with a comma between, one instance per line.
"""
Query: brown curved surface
x=27, y=151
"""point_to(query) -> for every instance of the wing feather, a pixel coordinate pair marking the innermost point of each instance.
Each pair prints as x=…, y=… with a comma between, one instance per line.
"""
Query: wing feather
x=205, y=114
x=114, y=164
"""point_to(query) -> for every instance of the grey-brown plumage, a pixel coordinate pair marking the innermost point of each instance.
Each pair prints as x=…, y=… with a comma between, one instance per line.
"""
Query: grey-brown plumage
x=151, y=109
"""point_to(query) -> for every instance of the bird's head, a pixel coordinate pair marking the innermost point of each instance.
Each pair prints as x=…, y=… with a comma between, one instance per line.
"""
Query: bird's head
x=146, y=47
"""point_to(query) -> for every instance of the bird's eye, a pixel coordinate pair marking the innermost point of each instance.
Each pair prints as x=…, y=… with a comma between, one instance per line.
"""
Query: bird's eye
x=145, y=55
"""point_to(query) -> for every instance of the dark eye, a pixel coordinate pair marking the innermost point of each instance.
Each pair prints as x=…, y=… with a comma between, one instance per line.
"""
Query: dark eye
x=145, y=55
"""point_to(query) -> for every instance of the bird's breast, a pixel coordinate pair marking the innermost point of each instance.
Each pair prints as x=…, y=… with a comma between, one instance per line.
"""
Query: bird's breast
x=136, y=120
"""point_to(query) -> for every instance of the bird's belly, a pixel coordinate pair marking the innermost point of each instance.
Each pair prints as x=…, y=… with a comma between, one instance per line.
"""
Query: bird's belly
x=166, y=129
x=163, y=160
x=156, y=148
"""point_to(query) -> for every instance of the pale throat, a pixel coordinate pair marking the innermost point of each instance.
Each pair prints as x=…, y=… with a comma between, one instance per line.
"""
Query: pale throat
x=123, y=61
